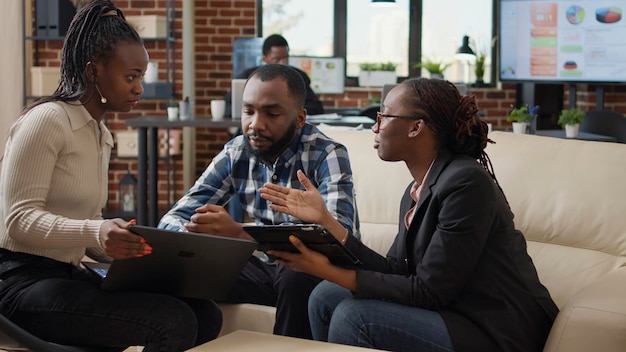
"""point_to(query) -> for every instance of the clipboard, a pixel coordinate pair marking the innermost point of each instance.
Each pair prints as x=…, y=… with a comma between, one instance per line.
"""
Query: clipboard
x=314, y=236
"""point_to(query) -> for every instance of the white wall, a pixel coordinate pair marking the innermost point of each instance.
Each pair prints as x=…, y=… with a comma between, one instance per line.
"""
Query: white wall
x=11, y=68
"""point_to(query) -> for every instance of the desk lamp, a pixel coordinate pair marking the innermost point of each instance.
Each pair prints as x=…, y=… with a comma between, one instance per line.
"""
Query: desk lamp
x=465, y=53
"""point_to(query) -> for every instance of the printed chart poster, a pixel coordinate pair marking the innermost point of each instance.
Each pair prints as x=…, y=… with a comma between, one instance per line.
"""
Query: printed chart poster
x=327, y=74
x=582, y=41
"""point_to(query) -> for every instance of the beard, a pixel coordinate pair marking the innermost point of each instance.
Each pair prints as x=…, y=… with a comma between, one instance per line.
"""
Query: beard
x=277, y=146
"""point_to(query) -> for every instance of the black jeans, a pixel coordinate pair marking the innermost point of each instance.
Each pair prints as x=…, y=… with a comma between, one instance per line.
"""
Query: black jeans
x=62, y=303
x=280, y=287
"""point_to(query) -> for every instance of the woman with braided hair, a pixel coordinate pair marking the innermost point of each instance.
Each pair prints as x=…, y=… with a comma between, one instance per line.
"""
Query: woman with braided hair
x=457, y=277
x=53, y=187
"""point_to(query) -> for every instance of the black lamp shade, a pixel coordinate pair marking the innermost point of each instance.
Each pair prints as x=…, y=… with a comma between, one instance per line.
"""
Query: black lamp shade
x=465, y=48
x=465, y=53
x=383, y=2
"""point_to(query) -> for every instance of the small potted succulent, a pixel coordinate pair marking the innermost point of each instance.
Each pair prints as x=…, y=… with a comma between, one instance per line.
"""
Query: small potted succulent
x=521, y=117
x=435, y=68
x=172, y=110
x=479, y=68
x=571, y=119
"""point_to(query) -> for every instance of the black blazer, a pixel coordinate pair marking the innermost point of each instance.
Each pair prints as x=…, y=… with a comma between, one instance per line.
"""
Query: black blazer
x=462, y=257
x=312, y=103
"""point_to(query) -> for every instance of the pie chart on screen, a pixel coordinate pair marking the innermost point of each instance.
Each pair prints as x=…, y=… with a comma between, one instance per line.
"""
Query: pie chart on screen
x=570, y=65
x=609, y=14
x=575, y=14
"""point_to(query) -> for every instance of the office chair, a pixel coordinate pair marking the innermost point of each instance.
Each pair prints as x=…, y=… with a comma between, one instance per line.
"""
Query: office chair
x=370, y=111
x=606, y=122
x=14, y=338
x=386, y=88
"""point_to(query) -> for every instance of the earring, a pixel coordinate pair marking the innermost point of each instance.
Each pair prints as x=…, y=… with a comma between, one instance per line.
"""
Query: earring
x=103, y=100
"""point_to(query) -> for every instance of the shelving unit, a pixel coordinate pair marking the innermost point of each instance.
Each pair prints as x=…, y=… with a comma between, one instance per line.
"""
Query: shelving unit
x=165, y=89
x=158, y=90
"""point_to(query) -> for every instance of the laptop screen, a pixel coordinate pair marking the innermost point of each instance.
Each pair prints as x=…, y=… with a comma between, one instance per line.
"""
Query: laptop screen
x=237, y=97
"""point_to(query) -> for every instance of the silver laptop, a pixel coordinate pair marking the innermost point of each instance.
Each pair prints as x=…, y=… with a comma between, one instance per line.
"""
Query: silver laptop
x=236, y=88
x=182, y=264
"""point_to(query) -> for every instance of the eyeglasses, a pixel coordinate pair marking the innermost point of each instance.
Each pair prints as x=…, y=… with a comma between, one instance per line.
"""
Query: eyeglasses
x=380, y=116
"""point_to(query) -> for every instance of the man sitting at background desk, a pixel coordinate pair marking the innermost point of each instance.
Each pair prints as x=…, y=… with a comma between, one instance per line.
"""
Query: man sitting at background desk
x=276, y=51
x=276, y=142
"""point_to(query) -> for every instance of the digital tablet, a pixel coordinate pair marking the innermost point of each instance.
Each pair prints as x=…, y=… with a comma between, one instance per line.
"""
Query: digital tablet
x=315, y=237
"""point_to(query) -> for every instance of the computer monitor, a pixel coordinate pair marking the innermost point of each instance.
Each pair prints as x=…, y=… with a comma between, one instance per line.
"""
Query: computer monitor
x=247, y=52
x=327, y=74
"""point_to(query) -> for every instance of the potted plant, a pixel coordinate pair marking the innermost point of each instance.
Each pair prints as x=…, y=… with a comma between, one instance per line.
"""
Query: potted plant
x=479, y=68
x=377, y=74
x=521, y=117
x=172, y=109
x=435, y=68
x=571, y=119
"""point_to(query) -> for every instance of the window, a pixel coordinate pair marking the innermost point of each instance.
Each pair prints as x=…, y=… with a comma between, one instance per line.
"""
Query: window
x=307, y=25
x=441, y=39
x=377, y=34
x=403, y=34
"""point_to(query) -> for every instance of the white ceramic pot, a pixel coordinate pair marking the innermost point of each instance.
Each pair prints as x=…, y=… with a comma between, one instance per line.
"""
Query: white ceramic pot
x=377, y=78
x=172, y=113
x=571, y=131
x=520, y=127
x=436, y=76
x=218, y=108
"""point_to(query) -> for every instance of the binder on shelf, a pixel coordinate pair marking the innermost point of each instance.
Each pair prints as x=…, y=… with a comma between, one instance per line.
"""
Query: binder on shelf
x=158, y=90
x=53, y=17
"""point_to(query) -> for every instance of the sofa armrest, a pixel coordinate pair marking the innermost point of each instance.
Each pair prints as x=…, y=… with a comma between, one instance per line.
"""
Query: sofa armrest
x=594, y=319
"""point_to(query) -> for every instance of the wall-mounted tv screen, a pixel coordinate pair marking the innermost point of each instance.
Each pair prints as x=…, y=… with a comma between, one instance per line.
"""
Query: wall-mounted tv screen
x=327, y=74
x=562, y=41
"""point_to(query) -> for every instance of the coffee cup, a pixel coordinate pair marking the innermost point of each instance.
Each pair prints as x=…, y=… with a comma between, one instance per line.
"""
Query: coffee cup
x=218, y=108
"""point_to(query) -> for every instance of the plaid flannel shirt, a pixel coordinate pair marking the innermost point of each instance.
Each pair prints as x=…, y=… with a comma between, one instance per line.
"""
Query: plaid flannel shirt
x=235, y=172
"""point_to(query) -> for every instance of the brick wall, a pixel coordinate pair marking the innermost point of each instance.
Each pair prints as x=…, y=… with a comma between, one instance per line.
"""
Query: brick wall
x=217, y=24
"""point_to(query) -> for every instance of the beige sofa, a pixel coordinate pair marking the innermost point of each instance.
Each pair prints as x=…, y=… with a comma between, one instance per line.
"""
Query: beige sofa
x=569, y=199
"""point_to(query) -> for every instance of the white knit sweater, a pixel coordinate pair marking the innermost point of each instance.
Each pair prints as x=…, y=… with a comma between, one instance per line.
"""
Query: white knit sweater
x=54, y=180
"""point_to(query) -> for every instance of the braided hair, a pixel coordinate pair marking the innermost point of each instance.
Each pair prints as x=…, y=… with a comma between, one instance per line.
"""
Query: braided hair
x=454, y=118
x=92, y=36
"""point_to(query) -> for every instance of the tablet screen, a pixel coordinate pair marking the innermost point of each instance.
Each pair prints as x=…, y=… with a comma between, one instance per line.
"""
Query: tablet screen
x=314, y=237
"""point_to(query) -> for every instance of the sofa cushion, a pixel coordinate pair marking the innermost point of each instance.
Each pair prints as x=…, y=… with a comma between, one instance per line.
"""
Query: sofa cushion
x=379, y=186
x=568, y=200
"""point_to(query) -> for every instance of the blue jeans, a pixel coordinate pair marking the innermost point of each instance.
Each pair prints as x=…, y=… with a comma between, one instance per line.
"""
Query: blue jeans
x=62, y=303
x=339, y=318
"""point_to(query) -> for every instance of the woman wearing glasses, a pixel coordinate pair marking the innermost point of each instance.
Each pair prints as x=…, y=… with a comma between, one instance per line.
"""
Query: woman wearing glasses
x=457, y=277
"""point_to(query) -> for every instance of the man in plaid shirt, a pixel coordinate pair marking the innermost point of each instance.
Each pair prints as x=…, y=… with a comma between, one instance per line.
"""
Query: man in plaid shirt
x=275, y=144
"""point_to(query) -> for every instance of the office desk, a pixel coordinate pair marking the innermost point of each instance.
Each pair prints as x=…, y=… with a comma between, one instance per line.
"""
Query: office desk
x=581, y=135
x=148, y=153
x=347, y=121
